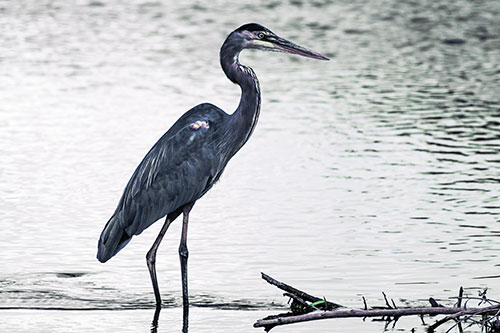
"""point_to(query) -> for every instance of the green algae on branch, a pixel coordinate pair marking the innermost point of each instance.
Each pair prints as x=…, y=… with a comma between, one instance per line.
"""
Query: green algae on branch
x=306, y=307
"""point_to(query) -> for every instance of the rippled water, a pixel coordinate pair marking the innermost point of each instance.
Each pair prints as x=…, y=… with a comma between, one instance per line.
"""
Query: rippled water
x=376, y=171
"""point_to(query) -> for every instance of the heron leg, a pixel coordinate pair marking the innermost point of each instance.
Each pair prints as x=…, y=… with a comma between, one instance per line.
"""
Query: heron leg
x=151, y=256
x=183, y=256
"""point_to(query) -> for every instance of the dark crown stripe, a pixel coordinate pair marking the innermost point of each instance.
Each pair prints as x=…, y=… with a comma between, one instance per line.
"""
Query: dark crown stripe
x=251, y=27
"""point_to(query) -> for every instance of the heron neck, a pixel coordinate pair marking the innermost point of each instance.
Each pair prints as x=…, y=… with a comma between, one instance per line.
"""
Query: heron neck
x=244, y=119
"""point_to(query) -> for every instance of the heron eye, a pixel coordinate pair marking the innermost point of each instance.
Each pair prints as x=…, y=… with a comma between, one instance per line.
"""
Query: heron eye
x=260, y=35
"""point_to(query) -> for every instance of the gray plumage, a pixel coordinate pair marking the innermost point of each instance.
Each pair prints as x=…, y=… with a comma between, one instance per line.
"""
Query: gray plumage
x=191, y=156
x=181, y=167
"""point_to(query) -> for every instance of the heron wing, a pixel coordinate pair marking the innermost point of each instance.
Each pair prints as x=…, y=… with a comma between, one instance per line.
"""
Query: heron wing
x=178, y=170
x=184, y=163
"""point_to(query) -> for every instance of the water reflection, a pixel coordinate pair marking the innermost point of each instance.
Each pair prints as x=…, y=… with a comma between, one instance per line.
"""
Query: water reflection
x=156, y=316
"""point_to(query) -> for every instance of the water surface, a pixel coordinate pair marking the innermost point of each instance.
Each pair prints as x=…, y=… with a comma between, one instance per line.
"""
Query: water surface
x=376, y=171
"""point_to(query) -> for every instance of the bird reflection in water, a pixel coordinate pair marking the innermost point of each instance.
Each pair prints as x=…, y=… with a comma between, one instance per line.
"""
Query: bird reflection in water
x=156, y=317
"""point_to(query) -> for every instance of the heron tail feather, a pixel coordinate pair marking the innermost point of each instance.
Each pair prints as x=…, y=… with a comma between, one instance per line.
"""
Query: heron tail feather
x=113, y=239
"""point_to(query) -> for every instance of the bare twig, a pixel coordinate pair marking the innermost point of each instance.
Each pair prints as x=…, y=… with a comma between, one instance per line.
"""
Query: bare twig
x=386, y=301
x=460, y=295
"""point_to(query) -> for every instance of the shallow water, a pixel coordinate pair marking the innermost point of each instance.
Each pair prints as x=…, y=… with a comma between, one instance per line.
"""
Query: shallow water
x=376, y=171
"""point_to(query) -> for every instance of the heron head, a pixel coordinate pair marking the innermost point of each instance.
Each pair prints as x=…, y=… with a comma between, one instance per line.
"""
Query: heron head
x=255, y=36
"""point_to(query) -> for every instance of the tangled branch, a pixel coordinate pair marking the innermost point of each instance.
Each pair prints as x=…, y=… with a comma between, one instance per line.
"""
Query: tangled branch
x=306, y=307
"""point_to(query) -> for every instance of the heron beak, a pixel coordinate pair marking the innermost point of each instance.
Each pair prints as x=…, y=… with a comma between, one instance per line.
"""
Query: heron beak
x=283, y=45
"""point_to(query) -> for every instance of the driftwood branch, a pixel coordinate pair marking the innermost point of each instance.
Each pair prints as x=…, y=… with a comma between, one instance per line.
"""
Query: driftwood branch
x=299, y=294
x=400, y=312
x=309, y=305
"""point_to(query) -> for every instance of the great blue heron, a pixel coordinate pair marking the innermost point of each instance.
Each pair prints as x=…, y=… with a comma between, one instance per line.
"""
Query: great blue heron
x=191, y=156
